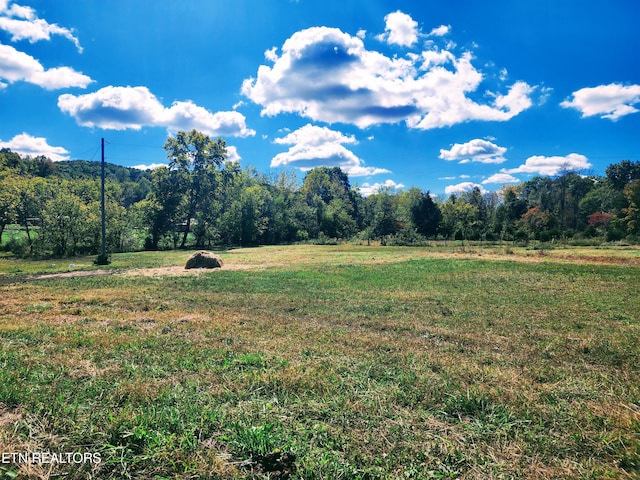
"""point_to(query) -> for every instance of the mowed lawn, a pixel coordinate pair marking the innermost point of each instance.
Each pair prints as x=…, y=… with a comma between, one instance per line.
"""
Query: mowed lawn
x=326, y=362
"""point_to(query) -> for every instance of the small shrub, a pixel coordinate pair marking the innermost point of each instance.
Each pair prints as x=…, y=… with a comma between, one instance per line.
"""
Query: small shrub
x=406, y=237
x=19, y=246
x=323, y=239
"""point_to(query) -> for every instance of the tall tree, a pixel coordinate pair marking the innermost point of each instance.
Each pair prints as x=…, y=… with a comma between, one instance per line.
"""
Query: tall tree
x=328, y=191
x=64, y=223
x=459, y=218
x=8, y=200
x=509, y=212
x=632, y=193
x=161, y=208
x=384, y=219
x=623, y=173
x=196, y=157
x=418, y=211
x=32, y=196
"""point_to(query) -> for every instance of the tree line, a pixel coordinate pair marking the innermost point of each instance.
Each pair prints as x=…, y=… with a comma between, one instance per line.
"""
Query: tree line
x=200, y=199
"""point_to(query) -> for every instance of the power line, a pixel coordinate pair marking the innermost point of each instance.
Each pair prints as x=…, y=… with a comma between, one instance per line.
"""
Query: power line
x=139, y=145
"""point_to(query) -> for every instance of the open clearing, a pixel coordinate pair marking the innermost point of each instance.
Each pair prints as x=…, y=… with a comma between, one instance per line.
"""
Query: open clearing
x=326, y=362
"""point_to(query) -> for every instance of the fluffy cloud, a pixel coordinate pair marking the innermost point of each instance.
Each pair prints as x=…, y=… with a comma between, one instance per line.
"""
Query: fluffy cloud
x=313, y=146
x=16, y=66
x=500, y=178
x=121, y=108
x=153, y=166
x=463, y=188
x=232, y=154
x=368, y=189
x=608, y=101
x=25, y=144
x=187, y=116
x=400, y=29
x=327, y=75
x=542, y=165
x=22, y=23
x=477, y=150
x=440, y=31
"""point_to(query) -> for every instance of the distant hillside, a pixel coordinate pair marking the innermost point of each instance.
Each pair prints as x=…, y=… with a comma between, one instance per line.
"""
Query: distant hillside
x=41, y=166
x=84, y=169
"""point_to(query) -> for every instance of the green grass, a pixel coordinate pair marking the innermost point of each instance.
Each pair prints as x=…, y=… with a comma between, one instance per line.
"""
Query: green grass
x=365, y=363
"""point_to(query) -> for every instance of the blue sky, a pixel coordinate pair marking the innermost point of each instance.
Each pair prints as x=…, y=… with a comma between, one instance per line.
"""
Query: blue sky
x=441, y=95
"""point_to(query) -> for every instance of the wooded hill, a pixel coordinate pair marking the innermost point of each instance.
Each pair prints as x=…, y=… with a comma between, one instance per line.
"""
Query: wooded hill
x=202, y=200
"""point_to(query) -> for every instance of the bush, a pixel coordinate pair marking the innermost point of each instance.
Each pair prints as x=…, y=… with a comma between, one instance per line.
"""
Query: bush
x=406, y=237
x=19, y=246
x=579, y=241
x=615, y=234
x=324, y=240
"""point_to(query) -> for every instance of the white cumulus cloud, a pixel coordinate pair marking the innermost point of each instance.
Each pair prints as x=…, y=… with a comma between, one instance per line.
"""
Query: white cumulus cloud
x=400, y=29
x=541, y=165
x=462, y=188
x=476, y=150
x=232, y=154
x=313, y=146
x=367, y=189
x=17, y=66
x=152, y=166
x=28, y=145
x=121, y=108
x=607, y=101
x=327, y=75
x=22, y=23
x=500, y=178
x=440, y=31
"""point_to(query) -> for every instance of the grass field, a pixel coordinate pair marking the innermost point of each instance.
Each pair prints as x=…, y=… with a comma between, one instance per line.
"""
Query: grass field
x=326, y=362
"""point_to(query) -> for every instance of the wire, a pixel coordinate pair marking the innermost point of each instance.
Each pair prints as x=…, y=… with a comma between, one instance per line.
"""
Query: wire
x=134, y=145
x=86, y=151
x=95, y=153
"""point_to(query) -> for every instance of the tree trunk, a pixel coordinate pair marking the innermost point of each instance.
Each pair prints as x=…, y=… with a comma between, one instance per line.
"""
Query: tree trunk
x=186, y=232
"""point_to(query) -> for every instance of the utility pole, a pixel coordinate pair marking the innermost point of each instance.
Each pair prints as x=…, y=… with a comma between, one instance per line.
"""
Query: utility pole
x=102, y=259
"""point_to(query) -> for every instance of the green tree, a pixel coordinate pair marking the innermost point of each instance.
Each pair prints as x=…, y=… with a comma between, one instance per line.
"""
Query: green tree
x=254, y=201
x=458, y=218
x=632, y=212
x=64, y=223
x=384, y=219
x=32, y=194
x=478, y=216
x=196, y=157
x=509, y=212
x=161, y=208
x=14, y=162
x=418, y=211
x=328, y=192
x=283, y=225
x=623, y=173
x=8, y=200
x=602, y=198
x=539, y=223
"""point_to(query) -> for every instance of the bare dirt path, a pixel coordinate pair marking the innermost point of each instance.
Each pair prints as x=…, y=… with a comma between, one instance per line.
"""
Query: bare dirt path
x=134, y=272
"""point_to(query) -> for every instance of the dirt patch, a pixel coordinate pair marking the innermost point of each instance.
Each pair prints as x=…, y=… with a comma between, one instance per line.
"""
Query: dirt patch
x=181, y=271
x=133, y=272
x=8, y=416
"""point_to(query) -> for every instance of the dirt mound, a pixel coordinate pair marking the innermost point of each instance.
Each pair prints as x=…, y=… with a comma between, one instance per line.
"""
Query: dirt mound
x=204, y=259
